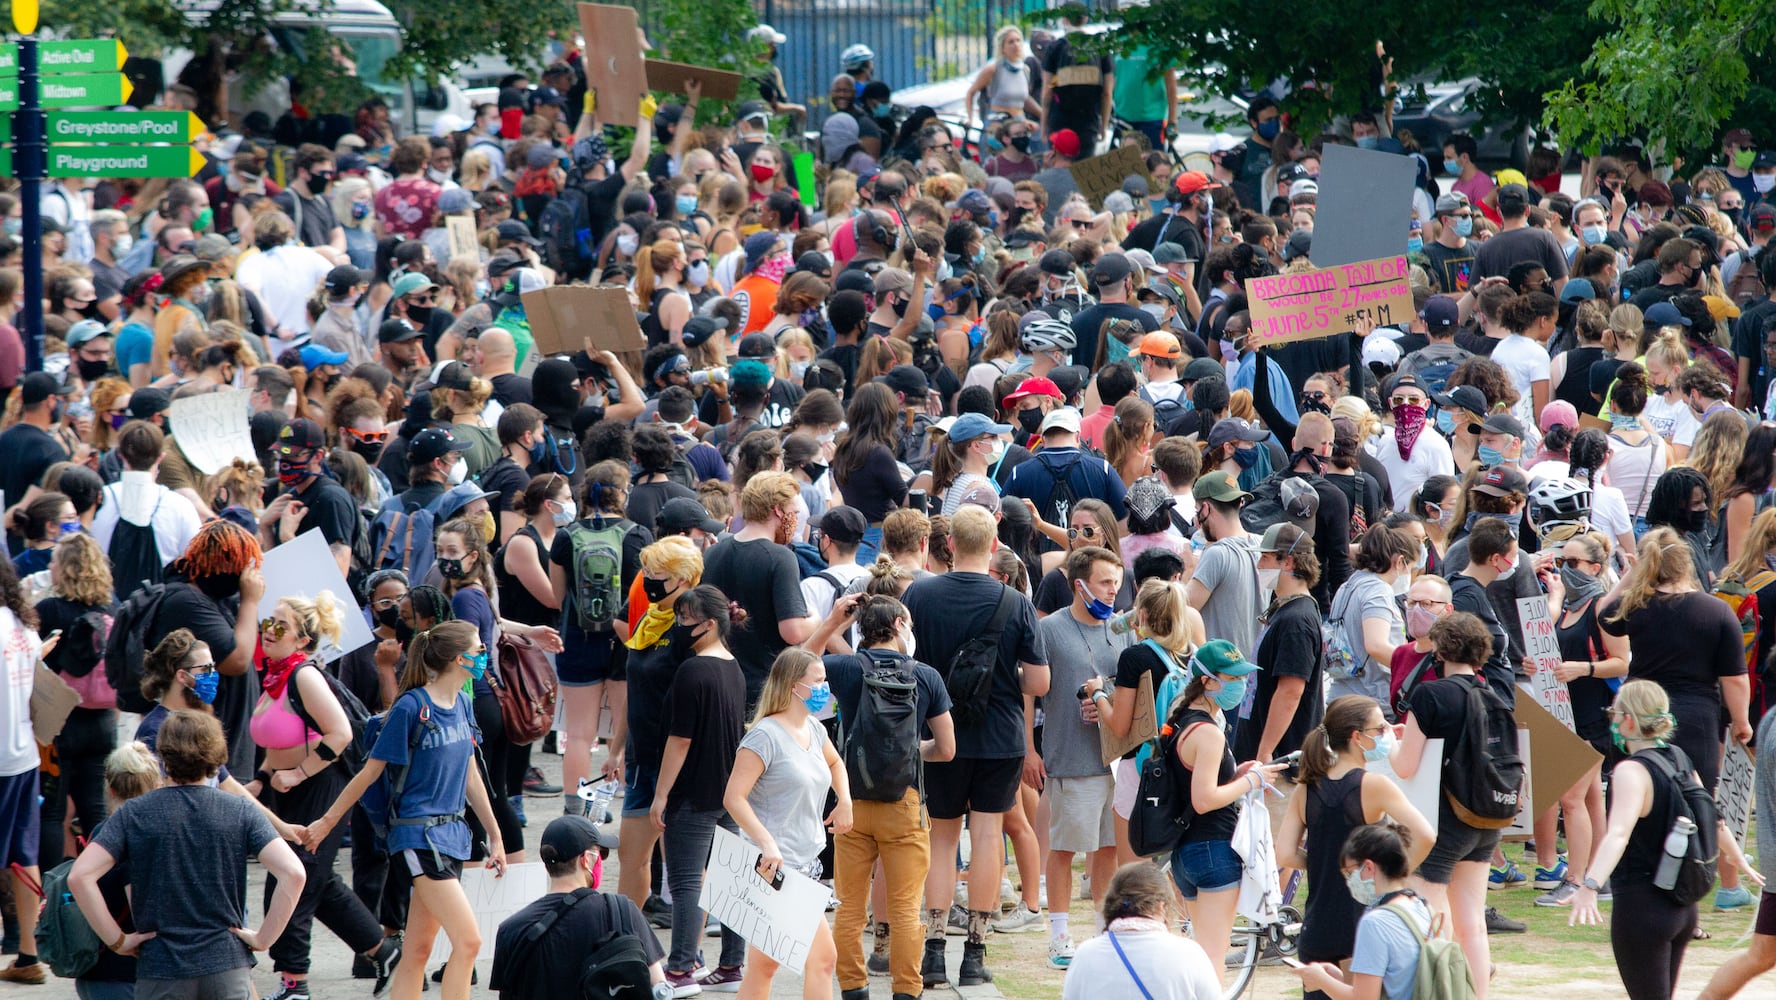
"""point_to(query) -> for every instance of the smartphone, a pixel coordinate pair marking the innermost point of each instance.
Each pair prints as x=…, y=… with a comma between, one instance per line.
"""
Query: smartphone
x=1289, y=759
x=1291, y=963
x=776, y=878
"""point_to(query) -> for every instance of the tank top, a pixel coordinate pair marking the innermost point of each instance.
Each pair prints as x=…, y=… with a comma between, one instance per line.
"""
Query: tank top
x=1575, y=384
x=1334, y=809
x=516, y=600
x=1581, y=641
x=1646, y=844
x=1010, y=85
x=1633, y=468
x=650, y=324
x=1217, y=824
x=276, y=726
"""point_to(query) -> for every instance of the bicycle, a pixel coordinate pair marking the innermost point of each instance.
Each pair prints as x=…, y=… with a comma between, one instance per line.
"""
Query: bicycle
x=1254, y=941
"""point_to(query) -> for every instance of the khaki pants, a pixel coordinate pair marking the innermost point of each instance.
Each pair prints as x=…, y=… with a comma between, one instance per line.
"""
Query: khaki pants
x=894, y=832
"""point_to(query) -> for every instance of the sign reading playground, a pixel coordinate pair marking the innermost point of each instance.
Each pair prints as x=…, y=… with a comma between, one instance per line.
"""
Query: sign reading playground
x=1325, y=301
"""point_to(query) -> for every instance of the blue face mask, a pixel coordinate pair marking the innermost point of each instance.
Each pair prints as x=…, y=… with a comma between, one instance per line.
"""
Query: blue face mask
x=685, y=203
x=205, y=686
x=478, y=665
x=1594, y=236
x=1368, y=141
x=994, y=143
x=539, y=451
x=1384, y=745
x=1245, y=458
x=1094, y=607
x=1415, y=244
x=1452, y=167
x=1445, y=422
x=1622, y=422
x=1269, y=129
x=1490, y=457
x=1464, y=227
x=1228, y=696
x=819, y=696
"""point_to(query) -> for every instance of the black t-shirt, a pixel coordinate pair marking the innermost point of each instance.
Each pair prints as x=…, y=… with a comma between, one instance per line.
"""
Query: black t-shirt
x=780, y=403
x=1167, y=227
x=875, y=487
x=651, y=672
x=1451, y=267
x=357, y=671
x=1083, y=99
x=951, y=608
x=646, y=499
x=762, y=577
x=29, y=451
x=57, y=614
x=1440, y=707
x=1499, y=673
x=538, y=971
x=845, y=674
x=315, y=220
x=1499, y=254
x=707, y=706
x=601, y=205
x=1685, y=642
x=507, y=478
x=331, y=509
x=1089, y=321
x=1289, y=647
x=1475, y=343
x=638, y=537
x=845, y=356
x=511, y=388
x=212, y=623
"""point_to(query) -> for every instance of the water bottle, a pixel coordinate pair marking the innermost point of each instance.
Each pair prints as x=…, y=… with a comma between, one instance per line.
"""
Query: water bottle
x=1677, y=844
x=597, y=798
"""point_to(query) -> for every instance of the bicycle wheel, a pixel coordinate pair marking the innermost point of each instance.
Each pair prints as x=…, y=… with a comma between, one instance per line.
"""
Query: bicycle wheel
x=1247, y=943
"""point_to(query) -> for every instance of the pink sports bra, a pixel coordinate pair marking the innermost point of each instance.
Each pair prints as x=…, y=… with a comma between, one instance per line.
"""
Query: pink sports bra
x=275, y=726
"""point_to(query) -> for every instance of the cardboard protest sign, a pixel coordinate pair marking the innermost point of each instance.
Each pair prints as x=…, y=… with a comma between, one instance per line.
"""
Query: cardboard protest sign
x=615, y=67
x=1559, y=760
x=1425, y=788
x=1543, y=648
x=212, y=430
x=1732, y=797
x=305, y=566
x=493, y=900
x=779, y=921
x=461, y=230
x=52, y=701
x=563, y=316
x=1097, y=176
x=1142, y=727
x=1328, y=300
x=1363, y=208
x=670, y=77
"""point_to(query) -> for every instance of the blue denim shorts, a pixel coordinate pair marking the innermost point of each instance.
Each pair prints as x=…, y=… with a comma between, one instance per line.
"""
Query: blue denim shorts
x=638, y=790
x=1205, y=866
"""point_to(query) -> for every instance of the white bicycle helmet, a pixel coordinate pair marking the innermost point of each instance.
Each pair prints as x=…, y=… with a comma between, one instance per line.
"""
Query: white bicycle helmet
x=1559, y=501
x=1047, y=335
x=856, y=57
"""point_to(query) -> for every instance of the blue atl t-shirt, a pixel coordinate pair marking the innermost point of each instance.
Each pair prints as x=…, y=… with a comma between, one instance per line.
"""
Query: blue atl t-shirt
x=437, y=781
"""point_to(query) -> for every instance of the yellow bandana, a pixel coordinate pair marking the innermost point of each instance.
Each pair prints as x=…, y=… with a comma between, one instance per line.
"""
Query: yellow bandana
x=651, y=629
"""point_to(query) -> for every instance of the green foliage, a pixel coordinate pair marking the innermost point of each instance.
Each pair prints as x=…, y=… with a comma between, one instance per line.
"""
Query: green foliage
x=705, y=33
x=441, y=34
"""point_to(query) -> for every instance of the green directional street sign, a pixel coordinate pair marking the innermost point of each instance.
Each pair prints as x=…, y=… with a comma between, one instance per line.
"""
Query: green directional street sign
x=116, y=161
x=115, y=126
x=80, y=90
x=84, y=55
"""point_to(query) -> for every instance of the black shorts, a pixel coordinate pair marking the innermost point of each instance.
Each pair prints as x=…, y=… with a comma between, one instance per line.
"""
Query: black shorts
x=1766, y=915
x=412, y=864
x=955, y=788
x=1456, y=842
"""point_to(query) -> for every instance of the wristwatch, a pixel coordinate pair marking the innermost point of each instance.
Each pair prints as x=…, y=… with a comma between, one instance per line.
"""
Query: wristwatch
x=1592, y=884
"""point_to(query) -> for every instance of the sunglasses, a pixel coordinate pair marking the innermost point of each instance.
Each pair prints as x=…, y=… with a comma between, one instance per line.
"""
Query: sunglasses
x=1316, y=395
x=198, y=669
x=1088, y=531
x=272, y=628
x=1081, y=224
x=1406, y=401
x=368, y=437
x=1571, y=562
x=422, y=300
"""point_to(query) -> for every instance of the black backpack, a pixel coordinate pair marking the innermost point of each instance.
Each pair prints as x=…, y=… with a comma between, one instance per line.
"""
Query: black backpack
x=565, y=227
x=616, y=966
x=1164, y=410
x=357, y=751
x=127, y=645
x=1414, y=677
x=975, y=663
x=882, y=742
x=1162, y=810
x=1687, y=797
x=1483, y=773
x=1061, y=497
x=135, y=556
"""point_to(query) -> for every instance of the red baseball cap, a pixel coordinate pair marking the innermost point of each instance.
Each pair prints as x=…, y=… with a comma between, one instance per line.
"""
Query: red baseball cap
x=1034, y=387
x=1065, y=142
x=1192, y=181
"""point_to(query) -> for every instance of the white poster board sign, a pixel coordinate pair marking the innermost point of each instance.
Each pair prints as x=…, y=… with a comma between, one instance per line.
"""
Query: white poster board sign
x=777, y=921
x=1732, y=797
x=1425, y=788
x=1543, y=649
x=303, y=567
x=212, y=430
x=493, y=900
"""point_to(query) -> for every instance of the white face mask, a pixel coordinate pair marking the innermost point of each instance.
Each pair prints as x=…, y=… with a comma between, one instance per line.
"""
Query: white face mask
x=1267, y=580
x=627, y=244
x=1762, y=183
x=1511, y=570
x=907, y=642
x=1155, y=309
x=1402, y=583
x=122, y=244
x=566, y=515
x=459, y=471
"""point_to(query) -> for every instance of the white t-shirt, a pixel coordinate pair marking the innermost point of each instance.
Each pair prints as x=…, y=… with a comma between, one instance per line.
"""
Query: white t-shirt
x=1430, y=457
x=1673, y=421
x=1170, y=967
x=137, y=498
x=1609, y=511
x=285, y=279
x=19, y=648
x=1526, y=362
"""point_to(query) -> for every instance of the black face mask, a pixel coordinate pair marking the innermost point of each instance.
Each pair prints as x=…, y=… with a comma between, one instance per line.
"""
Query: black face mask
x=389, y=618
x=370, y=451
x=815, y=469
x=656, y=590
x=1021, y=143
x=679, y=640
x=1693, y=520
x=419, y=316
x=900, y=307
x=318, y=184
x=1030, y=420
x=91, y=371
x=218, y=588
x=403, y=631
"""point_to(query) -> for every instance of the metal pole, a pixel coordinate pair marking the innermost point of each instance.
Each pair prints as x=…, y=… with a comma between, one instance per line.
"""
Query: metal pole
x=27, y=126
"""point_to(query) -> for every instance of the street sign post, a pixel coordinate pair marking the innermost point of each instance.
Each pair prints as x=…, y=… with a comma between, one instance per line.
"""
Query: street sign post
x=115, y=161
x=81, y=55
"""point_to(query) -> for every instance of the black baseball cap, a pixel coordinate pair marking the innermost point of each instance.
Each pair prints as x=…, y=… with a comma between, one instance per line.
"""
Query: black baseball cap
x=395, y=331
x=434, y=443
x=568, y=837
x=844, y=525
x=680, y=514
x=39, y=386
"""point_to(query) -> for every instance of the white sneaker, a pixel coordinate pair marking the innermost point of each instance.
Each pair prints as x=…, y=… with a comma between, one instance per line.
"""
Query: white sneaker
x=1060, y=952
x=1018, y=921
x=1008, y=896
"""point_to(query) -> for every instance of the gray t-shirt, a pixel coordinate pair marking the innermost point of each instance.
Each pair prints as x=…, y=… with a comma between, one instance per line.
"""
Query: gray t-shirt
x=187, y=848
x=1365, y=596
x=790, y=797
x=1076, y=651
x=1764, y=787
x=1229, y=569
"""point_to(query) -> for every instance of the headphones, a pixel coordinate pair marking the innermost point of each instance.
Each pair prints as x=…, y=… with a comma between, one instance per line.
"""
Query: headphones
x=877, y=232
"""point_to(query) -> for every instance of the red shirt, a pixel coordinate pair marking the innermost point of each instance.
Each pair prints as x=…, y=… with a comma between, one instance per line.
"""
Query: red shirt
x=406, y=207
x=1091, y=429
x=1400, y=666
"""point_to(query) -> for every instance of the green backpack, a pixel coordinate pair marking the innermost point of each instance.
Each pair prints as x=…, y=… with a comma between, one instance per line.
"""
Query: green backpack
x=65, y=941
x=598, y=571
x=1443, y=972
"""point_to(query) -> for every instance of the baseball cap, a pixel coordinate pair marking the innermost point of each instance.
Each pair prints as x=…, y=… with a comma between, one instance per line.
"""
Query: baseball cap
x=1118, y=201
x=1406, y=380
x=567, y=837
x=1559, y=413
x=314, y=356
x=434, y=443
x=1516, y=195
x=39, y=386
x=969, y=426
x=1738, y=137
x=1065, y=142
x=906, y=380
x=1061, y=418
x=1502, y=480
x=1300, y=244
x=680, y=514
x=757, y=346
x=1380, y=349
x=1665, y=314
x=1169, y=253
x=1111, y=268
x=547, y=95
x=766, y=33
x=453, y=375
x=211, y=248
x=1462, y=397
x=1303, y=187
x=1441, y=313
x=892, y=279
x=1235, y=429
x=84, y=331
x=1503, y=423
x=1147, y=497
x=456, y=201
x=844, y=525
x=1300, y=501
x=513, y=231
x=1143, y=260
x=1037, y=386
x=1070, y=379
x=814, y=262
x=1762, y=216
x=1289, y=173
x=697, y=329
x=1201, y=368
x=1454, y=201
x=144, y=402
x=300, y=435
x=759, y=245
x=395, y=331
x=1056, y=262
x=1192, y=181
x=1159, y=344
x=460, y=496
x=1217, y=485
x=410, y=282
x=1220, y=656
x=342, y=278
x=1578, y=290
x=1272, y=541
x=981, y=495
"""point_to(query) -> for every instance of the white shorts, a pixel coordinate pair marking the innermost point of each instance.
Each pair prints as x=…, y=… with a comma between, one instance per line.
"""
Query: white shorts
x=1079, y=813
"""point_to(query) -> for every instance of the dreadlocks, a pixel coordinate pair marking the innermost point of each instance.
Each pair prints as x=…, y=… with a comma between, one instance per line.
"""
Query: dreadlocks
x=220, y=548
x=429, y=602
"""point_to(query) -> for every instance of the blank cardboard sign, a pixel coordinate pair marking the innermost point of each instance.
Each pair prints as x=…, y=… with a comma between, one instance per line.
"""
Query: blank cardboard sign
x=671, y=77
x=563, y=317
x=1364, y=205
x=614, y=62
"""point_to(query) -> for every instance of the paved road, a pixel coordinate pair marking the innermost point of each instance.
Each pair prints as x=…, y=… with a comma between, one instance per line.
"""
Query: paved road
x=330, y=978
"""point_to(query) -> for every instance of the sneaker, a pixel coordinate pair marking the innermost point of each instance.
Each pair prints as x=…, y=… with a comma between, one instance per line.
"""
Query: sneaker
x=1560, y=895
x=1508, y=877
x=383, y=964
x=363, y=968
x=878, y=959
x=37, y=974
x=536, y=784
x=1606, y=894
x=682, y=985
x=877, y=964
x=1551, y=878
x=474, y=975
x=974, y=966
x=1732, y=899
x=1008, y=896
x=1018, y=921
x=1085, y=886
x=931, y=966
x=289, y=989
x=958, y=922
x=1498, y=923
x=860, y=993
x=1060, y=951
x=725, y=979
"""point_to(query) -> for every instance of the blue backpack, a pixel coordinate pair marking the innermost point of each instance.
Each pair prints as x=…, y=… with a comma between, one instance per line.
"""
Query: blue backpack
x=401, y=536
x=1177, y=678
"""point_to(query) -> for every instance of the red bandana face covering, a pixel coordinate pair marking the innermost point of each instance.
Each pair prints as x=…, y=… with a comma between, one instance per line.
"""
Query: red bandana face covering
x=277, y=672
x=1408, y=422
